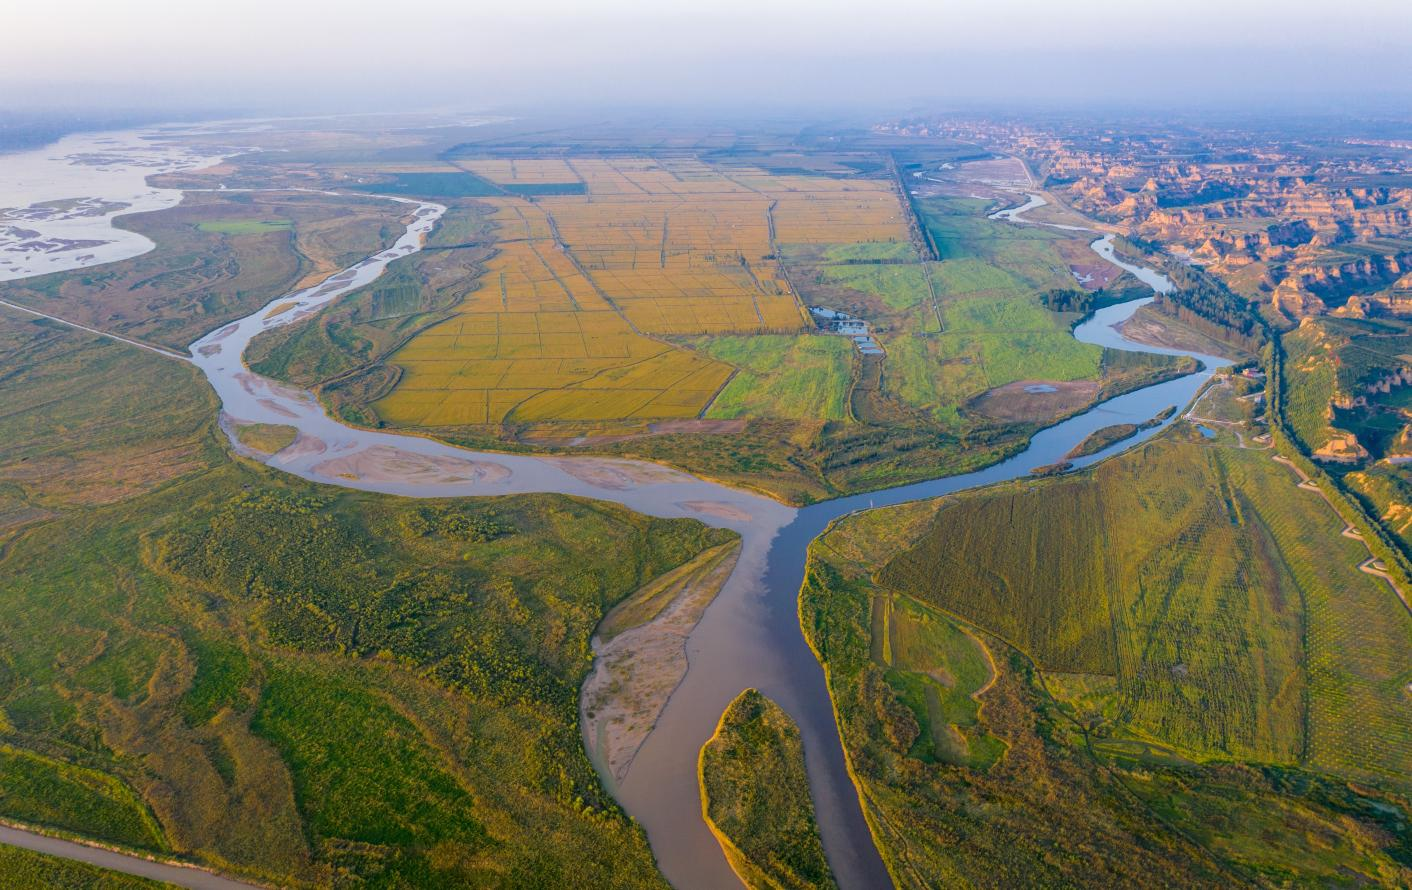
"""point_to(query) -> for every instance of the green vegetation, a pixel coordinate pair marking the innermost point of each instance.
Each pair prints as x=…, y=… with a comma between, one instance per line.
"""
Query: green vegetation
x=1017, y=340
x=783, y=377
x=267, y=438
x=938, y=823
x=1228, y=564
x=1156, y=621
x=392, y=789
x=44, y=791
x=899, y=286
x=295, y=684
x=755, y=796
x=1357, y=363
x=1106, y=436
x=1312, y=389
x=1101, y=438
x=245, y=226
x=970, y=275
x=872, y=252
x=936, y=669
x=25, y=869
x=130, y=420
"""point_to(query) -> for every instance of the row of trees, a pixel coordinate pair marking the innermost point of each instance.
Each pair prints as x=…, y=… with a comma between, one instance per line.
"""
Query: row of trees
x=1205, y=304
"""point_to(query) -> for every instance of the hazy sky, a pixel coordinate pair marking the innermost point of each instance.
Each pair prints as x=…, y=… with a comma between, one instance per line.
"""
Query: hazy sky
x=483, y=53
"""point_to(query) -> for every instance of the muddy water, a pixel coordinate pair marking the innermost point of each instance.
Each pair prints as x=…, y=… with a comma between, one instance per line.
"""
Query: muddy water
x=749, y=636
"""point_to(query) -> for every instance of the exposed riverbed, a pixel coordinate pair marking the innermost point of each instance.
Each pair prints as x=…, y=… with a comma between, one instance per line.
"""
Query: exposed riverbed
x=749, y=635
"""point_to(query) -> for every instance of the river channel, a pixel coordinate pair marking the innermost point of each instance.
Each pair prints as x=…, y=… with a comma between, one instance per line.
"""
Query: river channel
x=749, y=636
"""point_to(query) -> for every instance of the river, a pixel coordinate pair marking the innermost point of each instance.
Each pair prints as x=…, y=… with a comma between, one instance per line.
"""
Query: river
x=749, y=636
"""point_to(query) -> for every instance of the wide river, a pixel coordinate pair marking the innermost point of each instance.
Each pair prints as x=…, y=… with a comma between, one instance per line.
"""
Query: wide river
x=749, y=636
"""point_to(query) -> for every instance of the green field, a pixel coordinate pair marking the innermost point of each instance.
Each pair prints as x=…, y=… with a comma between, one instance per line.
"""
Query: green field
x=1252, y=596
x=755, y=796
x=872, y=251
x=1188, y=610
x=899, y=286
x=971, y=274
x=936, y=669
x=783, y=377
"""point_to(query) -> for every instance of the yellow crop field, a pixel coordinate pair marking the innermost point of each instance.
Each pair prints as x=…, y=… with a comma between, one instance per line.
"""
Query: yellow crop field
x=566, y=322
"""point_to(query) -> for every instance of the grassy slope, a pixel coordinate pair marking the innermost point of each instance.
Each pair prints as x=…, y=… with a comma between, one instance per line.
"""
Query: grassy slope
x=1186, y=652
x=25, y=870
x=755, y=795
x=1312, y=387
x=304, y=684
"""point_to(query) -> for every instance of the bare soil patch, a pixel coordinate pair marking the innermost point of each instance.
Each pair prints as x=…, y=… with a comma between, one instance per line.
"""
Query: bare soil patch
x=383, y=463
x=618, y=475
x=1035, y=400
x=635, y=672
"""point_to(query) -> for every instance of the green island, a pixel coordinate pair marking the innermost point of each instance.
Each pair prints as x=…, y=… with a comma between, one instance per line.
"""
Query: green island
x=1103, y=437
x=266, y=438
x=755, y=797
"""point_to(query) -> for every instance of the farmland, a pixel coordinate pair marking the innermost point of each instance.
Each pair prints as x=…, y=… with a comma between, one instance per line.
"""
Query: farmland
x=755, y=796
x=210, y=661
x=1202, y=668
x=793, y=377
x=569, y=319
x=628, y=302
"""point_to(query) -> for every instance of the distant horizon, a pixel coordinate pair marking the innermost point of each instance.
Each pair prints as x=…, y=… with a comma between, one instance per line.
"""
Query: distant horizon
x=316, y=55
